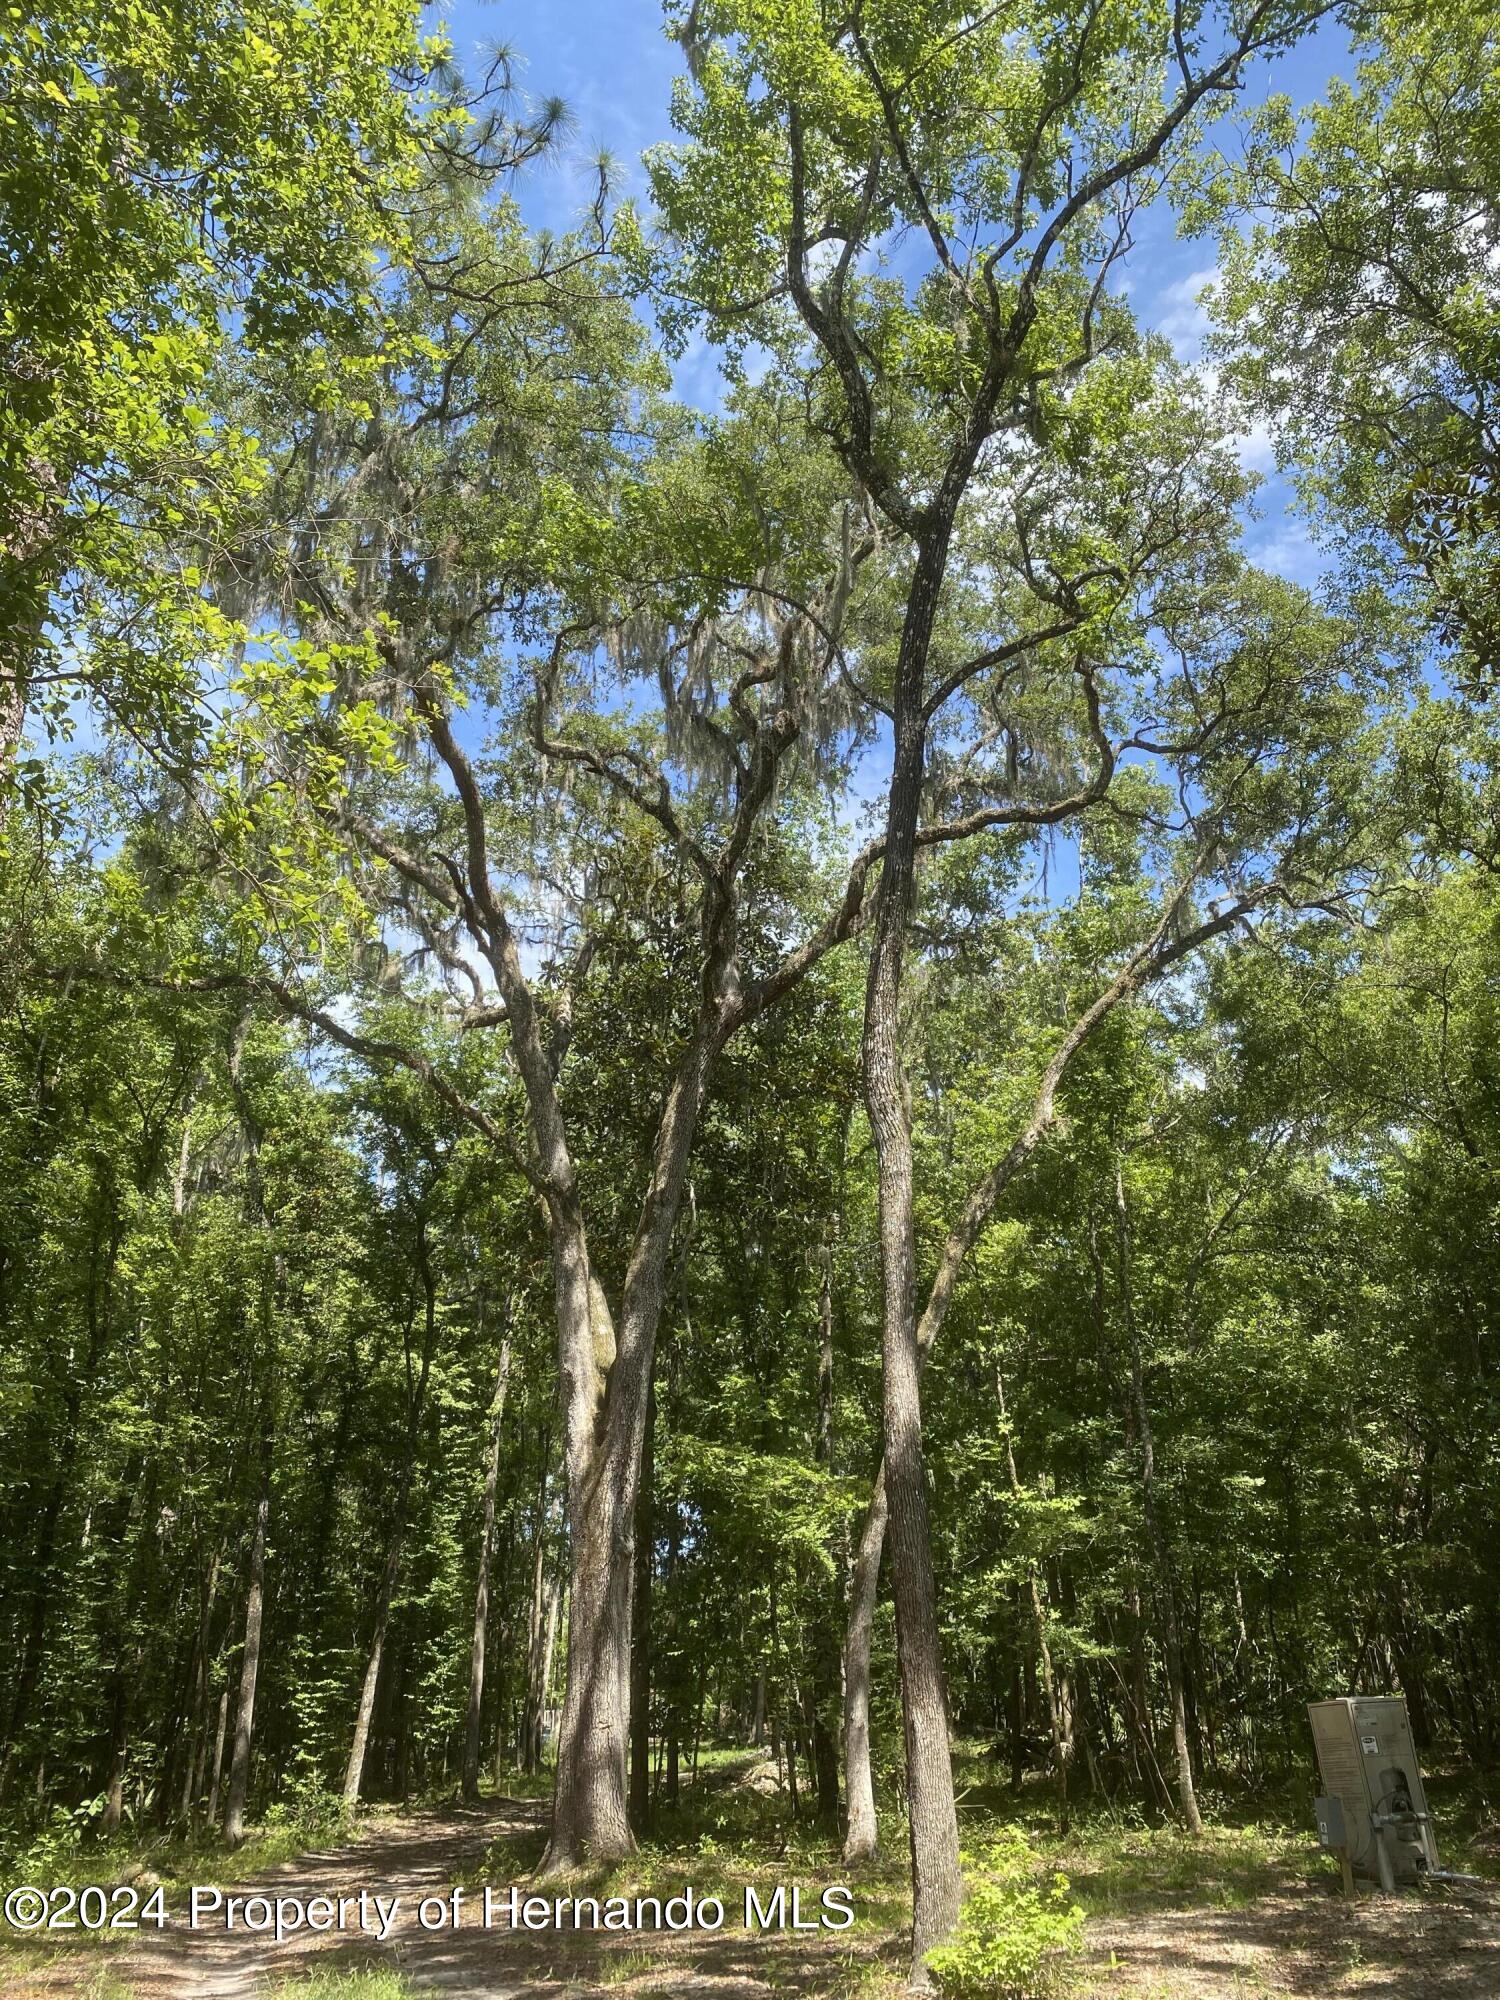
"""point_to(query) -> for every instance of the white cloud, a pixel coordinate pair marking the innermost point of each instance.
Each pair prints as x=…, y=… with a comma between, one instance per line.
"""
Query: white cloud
x=1181, y=314
x=1256, y=448
x=1289, y=552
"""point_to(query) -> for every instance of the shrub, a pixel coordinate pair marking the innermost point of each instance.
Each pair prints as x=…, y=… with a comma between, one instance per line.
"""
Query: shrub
x=1014, y=1929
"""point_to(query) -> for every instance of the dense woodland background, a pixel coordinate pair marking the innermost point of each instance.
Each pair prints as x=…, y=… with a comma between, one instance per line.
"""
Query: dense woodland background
x=465, y=1043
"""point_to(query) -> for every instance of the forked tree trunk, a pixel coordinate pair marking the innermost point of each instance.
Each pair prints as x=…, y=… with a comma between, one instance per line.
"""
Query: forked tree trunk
x=605, y=1380
x=1160, y=949
x=474, y=1719
x=244, y=1718
x=606, y=1397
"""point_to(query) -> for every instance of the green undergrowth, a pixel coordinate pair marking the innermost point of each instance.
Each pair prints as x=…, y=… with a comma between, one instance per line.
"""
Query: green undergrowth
x=63, y=1848
x=375, y=1983
x=1117, y=1868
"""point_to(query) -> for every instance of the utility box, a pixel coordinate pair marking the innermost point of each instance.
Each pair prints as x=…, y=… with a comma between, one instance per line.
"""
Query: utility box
x=1369, y=1769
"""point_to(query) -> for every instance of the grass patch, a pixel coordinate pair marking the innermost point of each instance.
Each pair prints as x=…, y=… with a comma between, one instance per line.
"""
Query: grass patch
x=1117, y=1869
x=378, y=1983
x=621, y=1967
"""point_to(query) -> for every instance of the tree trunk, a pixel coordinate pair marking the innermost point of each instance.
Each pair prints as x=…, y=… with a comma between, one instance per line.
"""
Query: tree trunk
x=545, y=1652
x=416, y=1399
x=827, y=1674
x=672, y=1717
x=218, y=1773
x=606, y=1394
x=474, y=1718
x=640, y=1638
x=536, y=1626
x=244, y=1719
x=1058, y=1706
x=114, y=1790
x=937, y=1881
x=1155, y=1534
x=354, y=1770
x=192, y=1774
x=1158, y=949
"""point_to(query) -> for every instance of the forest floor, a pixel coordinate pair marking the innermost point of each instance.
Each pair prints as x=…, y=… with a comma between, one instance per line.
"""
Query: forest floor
x=1306, y=1943
x=1242, y=1915
x=423, y=1854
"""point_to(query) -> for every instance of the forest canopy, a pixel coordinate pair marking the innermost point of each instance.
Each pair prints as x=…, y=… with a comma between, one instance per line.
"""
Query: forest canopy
x=646, y=1038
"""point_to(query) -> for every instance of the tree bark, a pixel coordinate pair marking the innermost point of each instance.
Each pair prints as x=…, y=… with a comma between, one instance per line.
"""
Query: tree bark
x=827, y=1669
x=354, y=1770
x=475, y=1715
x=1058, y=1705
x=640, y=1638
x=861, y=1839
x=218, y=1772
x=937, y=1880
x=1187, y=1796
x=1159, y=950
x=416, y=1398
x=244, y=1719
x=192, y=1775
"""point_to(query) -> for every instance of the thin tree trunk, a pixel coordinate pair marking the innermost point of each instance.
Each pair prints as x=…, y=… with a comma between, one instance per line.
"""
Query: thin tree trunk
x=114, y=1790
x=244, y=1719
x=198, y=1712
x=937, y=1880
x=255, y=1591
x=536, y=1625
x=544, y=1673
x=219, y=1735
x=355, y=1768
x=1157, y=951
x=861, y=1840
x=640, y=1637
x=416, y=1398
x=1062, y=1735
x=474, y=1719
x=1160, y=1553
x=827, y=1668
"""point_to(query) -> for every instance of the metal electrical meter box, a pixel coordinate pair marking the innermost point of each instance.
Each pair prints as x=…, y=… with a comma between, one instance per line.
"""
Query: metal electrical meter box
x=1369, y=1766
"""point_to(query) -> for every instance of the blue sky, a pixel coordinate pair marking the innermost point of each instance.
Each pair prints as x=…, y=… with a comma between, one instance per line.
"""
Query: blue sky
x=613, y=64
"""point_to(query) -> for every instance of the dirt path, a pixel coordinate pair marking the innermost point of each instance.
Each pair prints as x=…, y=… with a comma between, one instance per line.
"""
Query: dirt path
x=1300, y=1943
x=421, y=1855
x=408, y=1858
x=1307, y=1943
